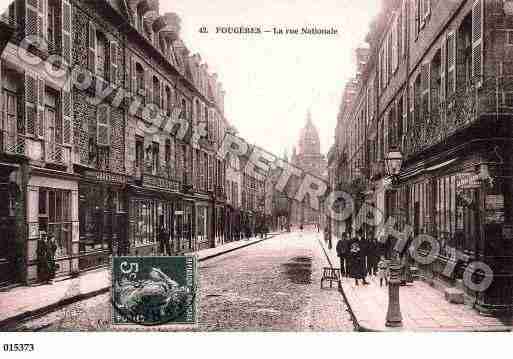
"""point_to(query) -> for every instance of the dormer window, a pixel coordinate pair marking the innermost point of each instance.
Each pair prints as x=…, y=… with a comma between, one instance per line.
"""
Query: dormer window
x=140, y=19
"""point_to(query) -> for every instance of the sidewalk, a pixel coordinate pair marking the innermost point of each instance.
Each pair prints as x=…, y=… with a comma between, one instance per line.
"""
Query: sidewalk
x=423, y=307
x=24, y=302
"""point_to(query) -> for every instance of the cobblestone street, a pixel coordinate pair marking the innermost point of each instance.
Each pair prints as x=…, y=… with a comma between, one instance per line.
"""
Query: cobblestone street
x=273, y=285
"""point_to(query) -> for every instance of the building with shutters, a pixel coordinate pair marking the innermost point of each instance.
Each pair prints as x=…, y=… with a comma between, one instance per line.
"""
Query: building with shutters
x=81, y=156
x=436, y=85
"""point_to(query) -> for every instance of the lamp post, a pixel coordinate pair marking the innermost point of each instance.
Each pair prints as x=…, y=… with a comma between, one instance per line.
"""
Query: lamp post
x=393, y=163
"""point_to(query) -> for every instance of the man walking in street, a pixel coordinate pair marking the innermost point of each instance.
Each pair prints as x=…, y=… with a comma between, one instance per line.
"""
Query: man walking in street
x=342, y=254
x=165, y=248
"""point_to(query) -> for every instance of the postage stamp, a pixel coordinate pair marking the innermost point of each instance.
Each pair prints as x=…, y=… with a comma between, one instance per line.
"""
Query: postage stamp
x=154, y=290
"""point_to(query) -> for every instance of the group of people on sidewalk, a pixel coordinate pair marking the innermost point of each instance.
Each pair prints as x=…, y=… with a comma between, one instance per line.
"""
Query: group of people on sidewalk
x=361, y=257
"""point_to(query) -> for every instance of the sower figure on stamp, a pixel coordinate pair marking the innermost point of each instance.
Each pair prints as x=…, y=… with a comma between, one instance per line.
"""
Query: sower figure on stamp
x=165, y=248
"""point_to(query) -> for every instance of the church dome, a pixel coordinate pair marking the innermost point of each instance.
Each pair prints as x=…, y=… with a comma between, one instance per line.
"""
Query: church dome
x=309, y=143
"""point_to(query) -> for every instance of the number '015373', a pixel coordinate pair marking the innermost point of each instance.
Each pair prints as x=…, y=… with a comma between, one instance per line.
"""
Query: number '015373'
x=18, y=347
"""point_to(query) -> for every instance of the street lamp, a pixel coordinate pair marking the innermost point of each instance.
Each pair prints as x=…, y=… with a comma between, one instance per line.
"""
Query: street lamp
x=393, y=164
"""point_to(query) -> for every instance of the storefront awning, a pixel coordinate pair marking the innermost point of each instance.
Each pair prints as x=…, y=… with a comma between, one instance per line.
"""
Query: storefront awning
x=440, y=165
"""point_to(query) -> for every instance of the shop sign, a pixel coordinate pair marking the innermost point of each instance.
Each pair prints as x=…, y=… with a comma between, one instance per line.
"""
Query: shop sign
x=467, y=180
x=104, y=176
x=160, y=182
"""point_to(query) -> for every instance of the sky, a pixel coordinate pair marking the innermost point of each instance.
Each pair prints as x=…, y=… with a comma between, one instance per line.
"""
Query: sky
x=272, y=81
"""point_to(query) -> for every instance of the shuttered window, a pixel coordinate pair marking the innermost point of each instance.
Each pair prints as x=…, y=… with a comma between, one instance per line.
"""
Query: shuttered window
x=451, y=64
x=477, y=42
x=103, y=125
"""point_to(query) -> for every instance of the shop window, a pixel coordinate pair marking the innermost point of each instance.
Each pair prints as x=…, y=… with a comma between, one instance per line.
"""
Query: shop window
x=55, y=218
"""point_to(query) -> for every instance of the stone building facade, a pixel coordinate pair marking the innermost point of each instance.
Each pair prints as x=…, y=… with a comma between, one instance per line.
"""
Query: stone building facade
x=85, y=156
x=434, y=83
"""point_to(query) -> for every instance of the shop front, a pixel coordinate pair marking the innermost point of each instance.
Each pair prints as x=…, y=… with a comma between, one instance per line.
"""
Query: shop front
x=102, y=218
x=52, y=212
x=464, y=202
x=10, y=248
x=146, y=208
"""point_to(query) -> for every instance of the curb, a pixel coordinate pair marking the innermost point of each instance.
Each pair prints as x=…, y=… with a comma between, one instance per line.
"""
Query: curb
x=5, y=323
x=354, y=319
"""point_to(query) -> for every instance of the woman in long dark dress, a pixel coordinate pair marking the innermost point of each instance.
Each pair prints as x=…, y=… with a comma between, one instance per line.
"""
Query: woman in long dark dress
x=357, y=260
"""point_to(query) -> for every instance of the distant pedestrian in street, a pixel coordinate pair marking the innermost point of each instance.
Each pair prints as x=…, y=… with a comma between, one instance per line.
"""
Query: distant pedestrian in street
x=46, y=266
x=373, y=256
x=342, y=254
x=383, y=271
x=165, y=248
x=357, y=258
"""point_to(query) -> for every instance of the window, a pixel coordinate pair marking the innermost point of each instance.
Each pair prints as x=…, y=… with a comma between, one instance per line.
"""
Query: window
x=55, y=218
x=140, y=18
x=155, y=158
x=103, y=125
x=10, y=109
x=168, y=151
x=53, y=128
x=156, y=91
x=169, y=101
x=101, y=54
x=139, y=73
x=52, y=23
x=139, y=152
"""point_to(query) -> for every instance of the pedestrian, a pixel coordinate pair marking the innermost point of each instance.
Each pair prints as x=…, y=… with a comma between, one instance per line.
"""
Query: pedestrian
x=357, y=258
x=373, y=256
x=341, y=253
x=383, y=270
x=165, y=248
x=46, y=249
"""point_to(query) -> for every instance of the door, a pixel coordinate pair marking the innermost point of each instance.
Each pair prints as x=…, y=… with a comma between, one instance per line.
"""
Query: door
x=8, y=273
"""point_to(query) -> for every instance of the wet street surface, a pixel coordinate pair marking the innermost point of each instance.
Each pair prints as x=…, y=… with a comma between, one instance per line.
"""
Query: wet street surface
x=271, y=286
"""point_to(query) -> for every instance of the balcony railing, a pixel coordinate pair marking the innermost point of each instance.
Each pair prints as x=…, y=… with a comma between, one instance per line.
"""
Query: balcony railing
x=458, y=111
x=161, y=179
x=54, y=153
x=12, y=143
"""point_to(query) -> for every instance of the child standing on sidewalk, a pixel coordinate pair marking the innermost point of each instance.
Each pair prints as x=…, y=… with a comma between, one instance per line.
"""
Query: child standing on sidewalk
x=383, y=270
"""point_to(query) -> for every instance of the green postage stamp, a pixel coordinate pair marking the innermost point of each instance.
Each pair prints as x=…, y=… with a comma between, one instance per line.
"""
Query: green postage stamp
x=154, y=290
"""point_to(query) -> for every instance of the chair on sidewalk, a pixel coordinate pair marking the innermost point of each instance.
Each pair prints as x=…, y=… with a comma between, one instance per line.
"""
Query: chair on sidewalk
x=331, y=275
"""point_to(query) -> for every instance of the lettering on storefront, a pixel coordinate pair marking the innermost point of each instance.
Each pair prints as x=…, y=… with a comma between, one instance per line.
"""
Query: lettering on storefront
x=467, y=180
x=104, y=176
x=162, y=183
